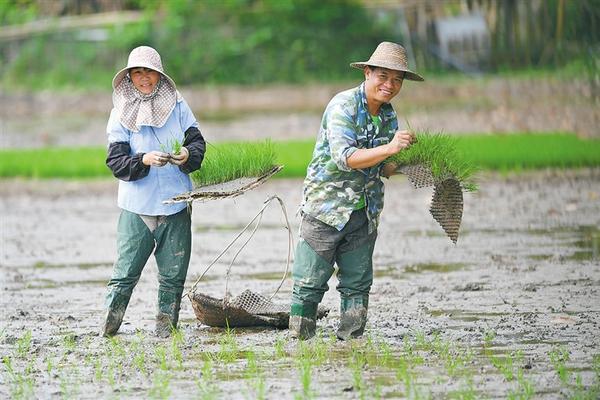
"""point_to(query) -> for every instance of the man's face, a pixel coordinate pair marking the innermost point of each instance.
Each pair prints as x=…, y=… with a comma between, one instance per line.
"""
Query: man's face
x=382, y=84
x=144, y=79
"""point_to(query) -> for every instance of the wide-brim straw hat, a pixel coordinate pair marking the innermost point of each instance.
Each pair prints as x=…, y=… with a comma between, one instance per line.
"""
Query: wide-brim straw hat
x=142, y=57
x=391, y=56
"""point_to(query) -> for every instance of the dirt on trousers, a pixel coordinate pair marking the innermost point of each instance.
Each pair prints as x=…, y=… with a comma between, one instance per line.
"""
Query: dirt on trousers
x=513, y=308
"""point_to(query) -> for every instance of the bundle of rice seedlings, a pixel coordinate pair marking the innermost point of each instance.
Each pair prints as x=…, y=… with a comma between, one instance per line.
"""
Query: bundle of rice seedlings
x=226, y=162
x=438, y=153
x=435, y=161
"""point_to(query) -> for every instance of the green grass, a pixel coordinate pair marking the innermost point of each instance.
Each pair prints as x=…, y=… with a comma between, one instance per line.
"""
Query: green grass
x=507, y=152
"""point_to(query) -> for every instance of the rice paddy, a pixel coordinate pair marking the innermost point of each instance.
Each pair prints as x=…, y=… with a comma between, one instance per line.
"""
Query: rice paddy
x=418, y=368
x=506, y=152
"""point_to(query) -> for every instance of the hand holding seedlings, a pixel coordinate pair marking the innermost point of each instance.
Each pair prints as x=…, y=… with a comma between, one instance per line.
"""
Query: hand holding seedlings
x=156, y=158
x=179, y=158
x=402, y=140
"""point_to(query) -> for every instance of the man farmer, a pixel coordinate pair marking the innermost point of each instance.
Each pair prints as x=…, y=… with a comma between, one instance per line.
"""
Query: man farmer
x=343, y=193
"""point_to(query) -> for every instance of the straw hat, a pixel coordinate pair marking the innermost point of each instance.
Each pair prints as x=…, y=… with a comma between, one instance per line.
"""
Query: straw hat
x=144, y=57
x=391, y=56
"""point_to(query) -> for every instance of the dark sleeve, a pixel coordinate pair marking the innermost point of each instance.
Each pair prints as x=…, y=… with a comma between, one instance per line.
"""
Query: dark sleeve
x=123, y=165
x=196, y=146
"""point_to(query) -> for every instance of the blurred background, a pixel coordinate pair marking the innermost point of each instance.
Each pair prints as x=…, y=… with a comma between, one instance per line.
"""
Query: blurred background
x=252, y=69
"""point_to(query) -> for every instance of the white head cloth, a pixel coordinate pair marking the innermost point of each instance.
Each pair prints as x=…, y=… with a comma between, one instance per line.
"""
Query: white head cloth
x=136, y=109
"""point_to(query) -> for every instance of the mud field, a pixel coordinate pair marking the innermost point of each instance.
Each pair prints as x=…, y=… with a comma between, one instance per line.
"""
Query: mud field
x=511, y=311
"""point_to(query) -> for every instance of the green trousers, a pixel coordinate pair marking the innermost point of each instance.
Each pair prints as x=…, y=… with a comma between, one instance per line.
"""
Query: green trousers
x=320, y=247
x=171, y=243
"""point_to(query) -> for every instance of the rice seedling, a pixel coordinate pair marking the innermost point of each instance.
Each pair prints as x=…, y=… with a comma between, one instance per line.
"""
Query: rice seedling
x=318, y=349
x=177, y=340
x=409, y=349
x=466, y=392
x=581, y=392
x=406, y=375
x=24, y=345
x=280, y=347
x=385, y=354
x=488, y=338
x=525, y=389
x=206, y=385
x=504, y=364
x=439, y=152
x=358, y=361
x=161, y=358
x=49, y=366
x=69, y=382
x=558, y=358
x=228, y=347
x=139, y=354
x=173, y=146
x=160, y=385
x=22, y=384
x=69, y=342
x=226, y=162
x=98, y=370
x=305, y=369
x=254, y=373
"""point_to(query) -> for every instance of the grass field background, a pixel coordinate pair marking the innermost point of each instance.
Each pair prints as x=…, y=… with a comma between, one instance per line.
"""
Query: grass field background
x=507, y=152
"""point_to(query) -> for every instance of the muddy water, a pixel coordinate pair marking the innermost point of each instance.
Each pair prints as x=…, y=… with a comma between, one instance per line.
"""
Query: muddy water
x=525, y=272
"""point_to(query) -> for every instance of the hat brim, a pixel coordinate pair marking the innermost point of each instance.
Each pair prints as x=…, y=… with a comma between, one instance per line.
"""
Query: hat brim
x=408, y=74
x=122, y=73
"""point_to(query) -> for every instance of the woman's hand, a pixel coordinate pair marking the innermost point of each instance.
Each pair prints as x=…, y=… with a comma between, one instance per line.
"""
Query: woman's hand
x=181, y=158
x=156, y=159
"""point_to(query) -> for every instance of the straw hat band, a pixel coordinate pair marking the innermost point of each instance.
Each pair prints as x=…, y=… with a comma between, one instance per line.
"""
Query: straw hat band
x=391, y=56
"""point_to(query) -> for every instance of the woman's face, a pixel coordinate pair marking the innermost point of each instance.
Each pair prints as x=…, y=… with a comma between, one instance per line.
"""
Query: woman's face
x=144, y=79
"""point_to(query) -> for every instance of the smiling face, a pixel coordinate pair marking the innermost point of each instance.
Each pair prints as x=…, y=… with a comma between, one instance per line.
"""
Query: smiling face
x=144, y=79
x=381, y=86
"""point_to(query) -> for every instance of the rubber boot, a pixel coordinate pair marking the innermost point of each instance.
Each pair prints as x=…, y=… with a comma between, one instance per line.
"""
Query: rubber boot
x=355, y=279
x=353, y=317
x=168, y=313
x=117, y=304
x=303, y=320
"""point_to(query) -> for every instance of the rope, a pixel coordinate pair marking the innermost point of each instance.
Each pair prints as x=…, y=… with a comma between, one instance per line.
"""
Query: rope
x=259, y=217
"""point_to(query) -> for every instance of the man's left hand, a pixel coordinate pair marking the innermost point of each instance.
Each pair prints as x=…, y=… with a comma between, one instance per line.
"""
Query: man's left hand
x=181, y=158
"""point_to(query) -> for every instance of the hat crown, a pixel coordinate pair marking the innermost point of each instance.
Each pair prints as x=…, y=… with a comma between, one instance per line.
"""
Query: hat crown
x=145, y=56
x=389, y=53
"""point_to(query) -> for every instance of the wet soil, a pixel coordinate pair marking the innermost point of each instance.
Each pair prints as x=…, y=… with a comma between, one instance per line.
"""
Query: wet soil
x=526, y=268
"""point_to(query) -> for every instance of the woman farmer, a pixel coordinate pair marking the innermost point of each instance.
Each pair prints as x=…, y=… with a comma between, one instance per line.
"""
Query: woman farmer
x=149, y=115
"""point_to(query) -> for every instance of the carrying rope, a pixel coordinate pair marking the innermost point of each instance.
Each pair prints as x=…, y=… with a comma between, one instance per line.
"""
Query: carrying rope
x=257, y=218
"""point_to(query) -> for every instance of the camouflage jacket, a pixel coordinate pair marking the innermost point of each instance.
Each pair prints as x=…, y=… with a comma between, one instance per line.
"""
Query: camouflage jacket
x=331, y=188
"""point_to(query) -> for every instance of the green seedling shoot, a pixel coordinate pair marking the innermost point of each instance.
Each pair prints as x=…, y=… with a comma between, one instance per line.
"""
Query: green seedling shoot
x=172, y=147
